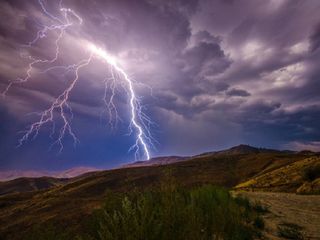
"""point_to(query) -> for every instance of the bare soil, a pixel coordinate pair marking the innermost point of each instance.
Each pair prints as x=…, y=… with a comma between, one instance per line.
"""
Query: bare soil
x=302, y=210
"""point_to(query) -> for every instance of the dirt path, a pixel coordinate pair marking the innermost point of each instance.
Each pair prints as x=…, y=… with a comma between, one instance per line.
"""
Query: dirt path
x=302, y=210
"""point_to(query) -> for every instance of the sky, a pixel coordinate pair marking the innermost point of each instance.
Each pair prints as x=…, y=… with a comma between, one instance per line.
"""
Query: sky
x=210, y=74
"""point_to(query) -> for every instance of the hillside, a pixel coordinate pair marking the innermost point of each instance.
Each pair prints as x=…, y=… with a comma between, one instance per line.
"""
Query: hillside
x=240, y=149
x=156, y=161
x=29, y=184
x=302, y=176
x=69, y=173
x=77, y=199
x=229, y=157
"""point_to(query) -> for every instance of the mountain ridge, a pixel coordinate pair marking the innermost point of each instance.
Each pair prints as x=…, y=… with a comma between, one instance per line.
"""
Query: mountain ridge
x=239, y=149
x=68, y=173
x=79, y=197
x=156, y=161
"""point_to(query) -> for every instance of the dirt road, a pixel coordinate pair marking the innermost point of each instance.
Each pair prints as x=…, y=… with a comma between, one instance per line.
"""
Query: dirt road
x=290, y=209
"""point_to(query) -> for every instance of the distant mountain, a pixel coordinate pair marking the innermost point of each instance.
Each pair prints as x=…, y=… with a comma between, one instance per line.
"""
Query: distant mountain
x=74, y=172
x=70, y=173
x=246, y=149
x=70, y=201
x=24, y=184
x=240, y=149
x=156, y=161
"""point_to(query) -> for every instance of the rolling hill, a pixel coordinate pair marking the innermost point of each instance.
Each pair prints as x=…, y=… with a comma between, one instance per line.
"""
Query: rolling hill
x=156, y=161
x=289, y=178
x=24, y=184
x=68, y=204
x=69, y=173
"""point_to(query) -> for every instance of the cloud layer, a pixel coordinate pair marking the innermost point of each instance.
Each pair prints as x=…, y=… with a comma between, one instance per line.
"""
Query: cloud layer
x=221, y=72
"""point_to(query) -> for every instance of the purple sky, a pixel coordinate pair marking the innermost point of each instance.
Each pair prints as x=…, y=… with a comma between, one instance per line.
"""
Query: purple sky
x=223, y=72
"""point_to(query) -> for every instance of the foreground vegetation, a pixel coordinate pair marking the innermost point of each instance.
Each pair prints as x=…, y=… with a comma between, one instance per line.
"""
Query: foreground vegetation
x=65, y=211
x=169, y=212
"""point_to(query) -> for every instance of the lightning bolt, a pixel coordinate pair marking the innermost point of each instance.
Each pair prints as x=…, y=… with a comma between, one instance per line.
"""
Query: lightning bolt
x=139, y=122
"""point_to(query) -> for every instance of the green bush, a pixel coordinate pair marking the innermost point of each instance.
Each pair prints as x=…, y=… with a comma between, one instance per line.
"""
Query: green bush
x=311, y=173
x=168, y=213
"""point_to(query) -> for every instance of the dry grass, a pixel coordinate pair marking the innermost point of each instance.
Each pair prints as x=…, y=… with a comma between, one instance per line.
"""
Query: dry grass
x=68, y=205
x=288, y=178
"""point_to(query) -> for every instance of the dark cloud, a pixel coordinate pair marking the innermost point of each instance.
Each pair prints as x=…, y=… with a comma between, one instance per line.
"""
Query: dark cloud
x=222, y=73
x=238, y=93
x=315, y=39
x=281, y=126
x=204, y=36
x=205, y=59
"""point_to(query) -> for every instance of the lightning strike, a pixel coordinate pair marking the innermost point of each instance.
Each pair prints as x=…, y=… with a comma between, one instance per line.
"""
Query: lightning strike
x=139, y=122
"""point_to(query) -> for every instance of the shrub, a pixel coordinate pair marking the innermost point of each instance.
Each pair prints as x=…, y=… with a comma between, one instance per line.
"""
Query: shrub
x=311, y=173
x=168, y=212
x=165, y=212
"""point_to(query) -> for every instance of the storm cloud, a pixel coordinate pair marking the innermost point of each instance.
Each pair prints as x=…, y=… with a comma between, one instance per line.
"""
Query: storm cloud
x=221, y=73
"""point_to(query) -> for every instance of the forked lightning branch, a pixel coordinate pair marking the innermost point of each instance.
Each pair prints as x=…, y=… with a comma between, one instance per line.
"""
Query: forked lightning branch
x=139, y=122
